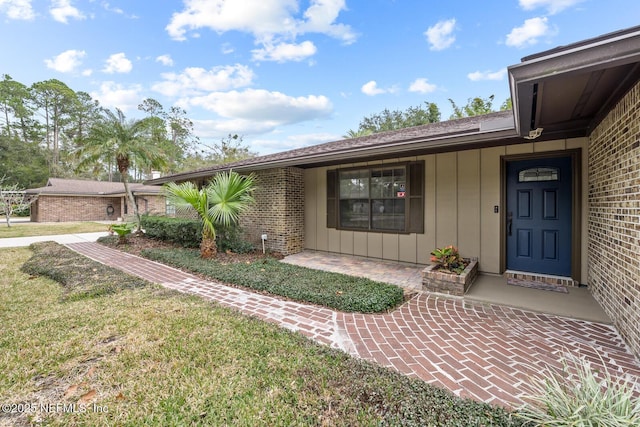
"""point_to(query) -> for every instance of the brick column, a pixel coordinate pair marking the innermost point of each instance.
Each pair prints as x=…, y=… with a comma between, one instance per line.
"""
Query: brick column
x=278, y=211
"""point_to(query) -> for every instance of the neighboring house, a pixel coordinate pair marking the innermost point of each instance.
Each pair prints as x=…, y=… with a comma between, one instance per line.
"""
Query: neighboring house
x=81, y=200
x=552, y=187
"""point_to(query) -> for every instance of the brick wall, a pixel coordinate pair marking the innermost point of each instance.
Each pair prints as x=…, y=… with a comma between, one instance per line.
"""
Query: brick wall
x=278, y=211
x=86, y=208
x=152, y=205
x=614, y=216
x=66, y=208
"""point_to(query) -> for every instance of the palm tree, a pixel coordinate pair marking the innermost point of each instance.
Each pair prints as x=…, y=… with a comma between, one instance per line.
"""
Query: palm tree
x=128, y=142
x=219, y=203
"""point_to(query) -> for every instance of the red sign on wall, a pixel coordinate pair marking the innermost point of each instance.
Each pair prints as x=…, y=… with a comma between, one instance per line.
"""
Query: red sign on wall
x=400, y=194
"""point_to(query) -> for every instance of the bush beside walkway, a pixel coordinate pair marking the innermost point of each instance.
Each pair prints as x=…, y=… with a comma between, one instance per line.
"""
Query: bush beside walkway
x=338, y=291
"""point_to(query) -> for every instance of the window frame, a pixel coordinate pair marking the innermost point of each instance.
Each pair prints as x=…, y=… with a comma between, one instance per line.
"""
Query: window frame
x=413, y=200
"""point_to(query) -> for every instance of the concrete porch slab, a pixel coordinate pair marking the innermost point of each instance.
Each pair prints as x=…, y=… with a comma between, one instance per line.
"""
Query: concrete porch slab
x=577, y=304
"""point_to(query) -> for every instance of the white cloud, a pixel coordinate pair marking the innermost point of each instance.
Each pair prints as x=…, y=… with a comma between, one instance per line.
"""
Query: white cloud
x=487, y=75
x=371, y=88
x=217, y=129
x=87, y=72
x=196, y=80
x=272, y=108
x=528, y=33
x=258, y=17
x=227, y=49
x=17, y=9
x=67, y=61
x=114, y=95
x=113, y=9
x=421, y=85
x=284, y=52
x=552, y=6
x=117, y=63
x=165, y=60
x=440, y=36
x=61, y=10
x=118, y=11
x=272, y=22
x=259, y=112
x=321, y=16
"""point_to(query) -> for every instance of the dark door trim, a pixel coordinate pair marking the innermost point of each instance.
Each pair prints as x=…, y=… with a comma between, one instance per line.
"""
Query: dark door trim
x=576, y=204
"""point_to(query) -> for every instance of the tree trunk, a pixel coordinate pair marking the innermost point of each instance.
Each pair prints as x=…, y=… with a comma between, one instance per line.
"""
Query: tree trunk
x=132, y=202
x=6, y=115
x=23, y=127
x=208, y=248
x=123, y=168
x=6, y=204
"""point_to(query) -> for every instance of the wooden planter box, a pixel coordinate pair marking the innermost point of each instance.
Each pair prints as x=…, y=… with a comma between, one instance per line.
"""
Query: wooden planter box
x=448, y=283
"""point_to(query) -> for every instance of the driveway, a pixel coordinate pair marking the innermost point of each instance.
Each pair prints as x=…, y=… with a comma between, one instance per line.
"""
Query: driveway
x=12, y=242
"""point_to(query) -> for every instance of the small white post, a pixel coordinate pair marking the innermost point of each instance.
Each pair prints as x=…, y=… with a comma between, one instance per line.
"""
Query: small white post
x=263, y=237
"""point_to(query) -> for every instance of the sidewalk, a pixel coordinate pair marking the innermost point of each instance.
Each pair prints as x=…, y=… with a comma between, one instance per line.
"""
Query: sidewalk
x=486, y=352
x=12, y=242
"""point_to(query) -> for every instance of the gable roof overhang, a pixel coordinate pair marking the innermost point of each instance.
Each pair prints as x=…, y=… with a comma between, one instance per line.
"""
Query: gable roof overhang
x=568, y=90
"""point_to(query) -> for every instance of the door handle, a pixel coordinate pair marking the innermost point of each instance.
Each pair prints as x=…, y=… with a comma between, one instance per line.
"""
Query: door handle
x=509, y=223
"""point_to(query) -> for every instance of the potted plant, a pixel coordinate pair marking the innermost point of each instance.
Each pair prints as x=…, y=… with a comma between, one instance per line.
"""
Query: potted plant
x=449, y=272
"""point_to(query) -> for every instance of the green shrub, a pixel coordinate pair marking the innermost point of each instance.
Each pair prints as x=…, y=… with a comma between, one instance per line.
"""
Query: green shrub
x=338, y=291
x=122, y=230
x=580, y=396
x=183, y=231
x=24, y=212
x=231, y=239
x=80, y=276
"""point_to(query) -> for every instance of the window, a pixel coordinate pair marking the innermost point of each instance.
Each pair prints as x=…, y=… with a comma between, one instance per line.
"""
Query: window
x=539, y=174
x=382, y=198
x=170, y=208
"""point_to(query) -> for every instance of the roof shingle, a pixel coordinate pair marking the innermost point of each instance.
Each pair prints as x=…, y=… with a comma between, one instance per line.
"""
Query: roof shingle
x=81, y=187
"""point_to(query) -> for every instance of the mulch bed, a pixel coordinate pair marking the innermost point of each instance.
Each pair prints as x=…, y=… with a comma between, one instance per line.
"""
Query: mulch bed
x=137, y=243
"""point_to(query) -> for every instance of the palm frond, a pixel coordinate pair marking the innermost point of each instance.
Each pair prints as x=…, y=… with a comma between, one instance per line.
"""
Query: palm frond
x=229, y=196
x=220, y=203
x=186, y=197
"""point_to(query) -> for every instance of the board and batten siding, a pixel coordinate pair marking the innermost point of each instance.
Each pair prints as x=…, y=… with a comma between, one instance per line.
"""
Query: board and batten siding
x=461, y=190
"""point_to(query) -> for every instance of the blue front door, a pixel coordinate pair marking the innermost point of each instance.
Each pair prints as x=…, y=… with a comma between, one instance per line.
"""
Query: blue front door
x=539, y=216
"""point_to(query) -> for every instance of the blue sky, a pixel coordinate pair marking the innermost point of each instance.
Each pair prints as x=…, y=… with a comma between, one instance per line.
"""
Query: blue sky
x=287, y=73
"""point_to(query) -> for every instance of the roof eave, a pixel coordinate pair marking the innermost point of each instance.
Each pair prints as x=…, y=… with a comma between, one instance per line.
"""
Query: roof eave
x=608, y=51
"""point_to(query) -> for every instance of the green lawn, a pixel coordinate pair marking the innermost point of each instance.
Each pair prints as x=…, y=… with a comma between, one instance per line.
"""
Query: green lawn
x=134, y=354
x=48, y=229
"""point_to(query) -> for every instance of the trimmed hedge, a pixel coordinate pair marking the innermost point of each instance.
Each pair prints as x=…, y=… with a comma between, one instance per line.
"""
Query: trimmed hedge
x=183, y=231
x=338, y=291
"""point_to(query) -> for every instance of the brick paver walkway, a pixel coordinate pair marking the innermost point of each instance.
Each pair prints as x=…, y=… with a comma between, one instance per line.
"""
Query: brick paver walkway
x=407, y=276
x=485, y=352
